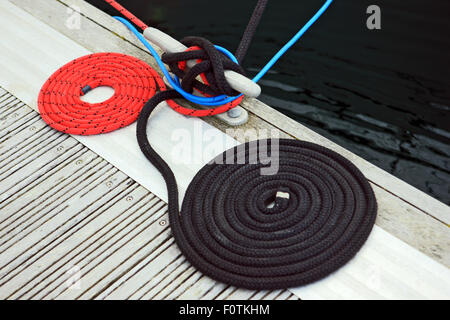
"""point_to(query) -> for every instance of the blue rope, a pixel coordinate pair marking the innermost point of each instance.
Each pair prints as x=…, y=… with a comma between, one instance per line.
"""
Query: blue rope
x=291, y=42
x=222, y=99
x=175, y=82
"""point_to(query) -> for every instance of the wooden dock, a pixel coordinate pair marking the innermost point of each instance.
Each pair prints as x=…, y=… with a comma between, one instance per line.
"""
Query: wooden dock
x=85, y=217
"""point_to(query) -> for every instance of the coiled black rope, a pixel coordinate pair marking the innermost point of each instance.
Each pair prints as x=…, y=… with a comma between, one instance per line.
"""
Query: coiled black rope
x=323, y=207
x=227, y=230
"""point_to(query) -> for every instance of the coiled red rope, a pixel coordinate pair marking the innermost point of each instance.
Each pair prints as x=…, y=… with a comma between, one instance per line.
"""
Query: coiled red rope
x=133, y=81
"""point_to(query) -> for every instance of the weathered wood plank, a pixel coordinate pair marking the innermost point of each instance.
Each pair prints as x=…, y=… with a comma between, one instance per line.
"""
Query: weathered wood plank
x=116, y=220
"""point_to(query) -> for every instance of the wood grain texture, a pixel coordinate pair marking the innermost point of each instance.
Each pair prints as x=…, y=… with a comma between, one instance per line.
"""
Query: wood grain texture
x=64, y=208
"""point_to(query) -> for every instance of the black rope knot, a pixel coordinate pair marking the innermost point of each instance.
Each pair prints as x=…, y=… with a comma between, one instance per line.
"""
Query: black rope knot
x=213, y=65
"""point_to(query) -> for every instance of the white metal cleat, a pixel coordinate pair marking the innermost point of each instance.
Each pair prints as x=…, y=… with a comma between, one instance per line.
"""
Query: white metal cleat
x=235, y=117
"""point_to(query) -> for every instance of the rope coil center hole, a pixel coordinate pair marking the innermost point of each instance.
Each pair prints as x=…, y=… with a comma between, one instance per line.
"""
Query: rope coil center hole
x=96, y=95
x=271, y=202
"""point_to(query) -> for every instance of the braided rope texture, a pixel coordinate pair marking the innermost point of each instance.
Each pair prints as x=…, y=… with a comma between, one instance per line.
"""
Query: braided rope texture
x=133, y=81
x=250, y=30
x=324, y=210
x=211, y=65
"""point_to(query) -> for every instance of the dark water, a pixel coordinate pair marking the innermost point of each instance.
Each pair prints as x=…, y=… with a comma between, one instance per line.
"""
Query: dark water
x=385, y=94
